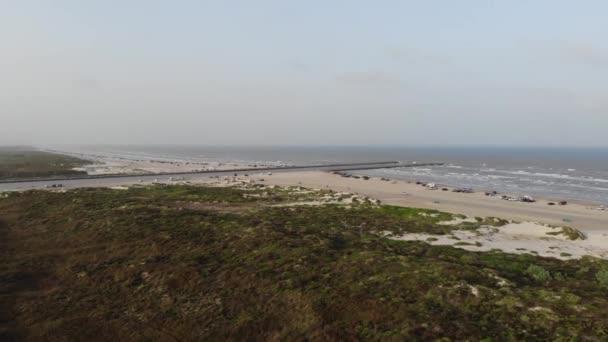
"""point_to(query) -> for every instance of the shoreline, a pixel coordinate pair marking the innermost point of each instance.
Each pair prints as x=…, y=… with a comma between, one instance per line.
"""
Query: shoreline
x=570, y=198
x=117, y=165
x=402, y=193
x=106, y=164
x=482, y=190
x=577, y=214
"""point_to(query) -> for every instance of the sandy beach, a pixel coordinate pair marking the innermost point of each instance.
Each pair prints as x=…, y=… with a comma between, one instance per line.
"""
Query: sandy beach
x=395, y=192
x=579, y=215
x=109, y=165
x=532, y=228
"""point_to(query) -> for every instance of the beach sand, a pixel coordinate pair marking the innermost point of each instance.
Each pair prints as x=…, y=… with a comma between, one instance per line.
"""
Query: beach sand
x=535, y=228
x=395, y=192
x=578, y=215
x=108, y=166
x=527, y=233
x=518, y=238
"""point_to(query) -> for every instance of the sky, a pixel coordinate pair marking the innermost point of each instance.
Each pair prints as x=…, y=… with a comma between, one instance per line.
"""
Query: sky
x=468, y=72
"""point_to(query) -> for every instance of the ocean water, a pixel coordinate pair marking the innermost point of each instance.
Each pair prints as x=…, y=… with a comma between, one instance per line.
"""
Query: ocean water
x=555, y=173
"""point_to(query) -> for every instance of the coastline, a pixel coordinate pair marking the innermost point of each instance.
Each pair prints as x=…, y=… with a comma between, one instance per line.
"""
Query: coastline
x=531, y=227
x=111, y=165
x=577, y=214
x=402, y=193
x=567, y=180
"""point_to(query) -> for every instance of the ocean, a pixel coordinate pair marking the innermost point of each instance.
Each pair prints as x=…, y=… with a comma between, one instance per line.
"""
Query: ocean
x=553, y=173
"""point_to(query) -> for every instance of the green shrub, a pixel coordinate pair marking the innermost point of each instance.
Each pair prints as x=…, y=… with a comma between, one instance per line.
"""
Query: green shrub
x=602, y=277
x=538, y=273
x=559, y=276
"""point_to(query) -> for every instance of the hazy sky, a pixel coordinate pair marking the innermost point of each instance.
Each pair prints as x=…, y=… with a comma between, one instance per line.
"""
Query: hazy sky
x=304, y=72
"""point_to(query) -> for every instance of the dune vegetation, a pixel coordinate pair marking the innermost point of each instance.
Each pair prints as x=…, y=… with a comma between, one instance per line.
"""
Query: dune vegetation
x=206, y=263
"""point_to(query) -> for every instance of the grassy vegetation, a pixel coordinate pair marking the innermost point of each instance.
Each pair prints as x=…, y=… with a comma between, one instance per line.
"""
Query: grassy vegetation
x=569, y=233
x=190, y=263
x=427, y=220
x=19, y=163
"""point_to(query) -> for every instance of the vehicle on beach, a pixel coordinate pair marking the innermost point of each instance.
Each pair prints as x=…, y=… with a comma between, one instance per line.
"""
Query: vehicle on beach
x=523, y=199
x=464, y=190
x=527, y=199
